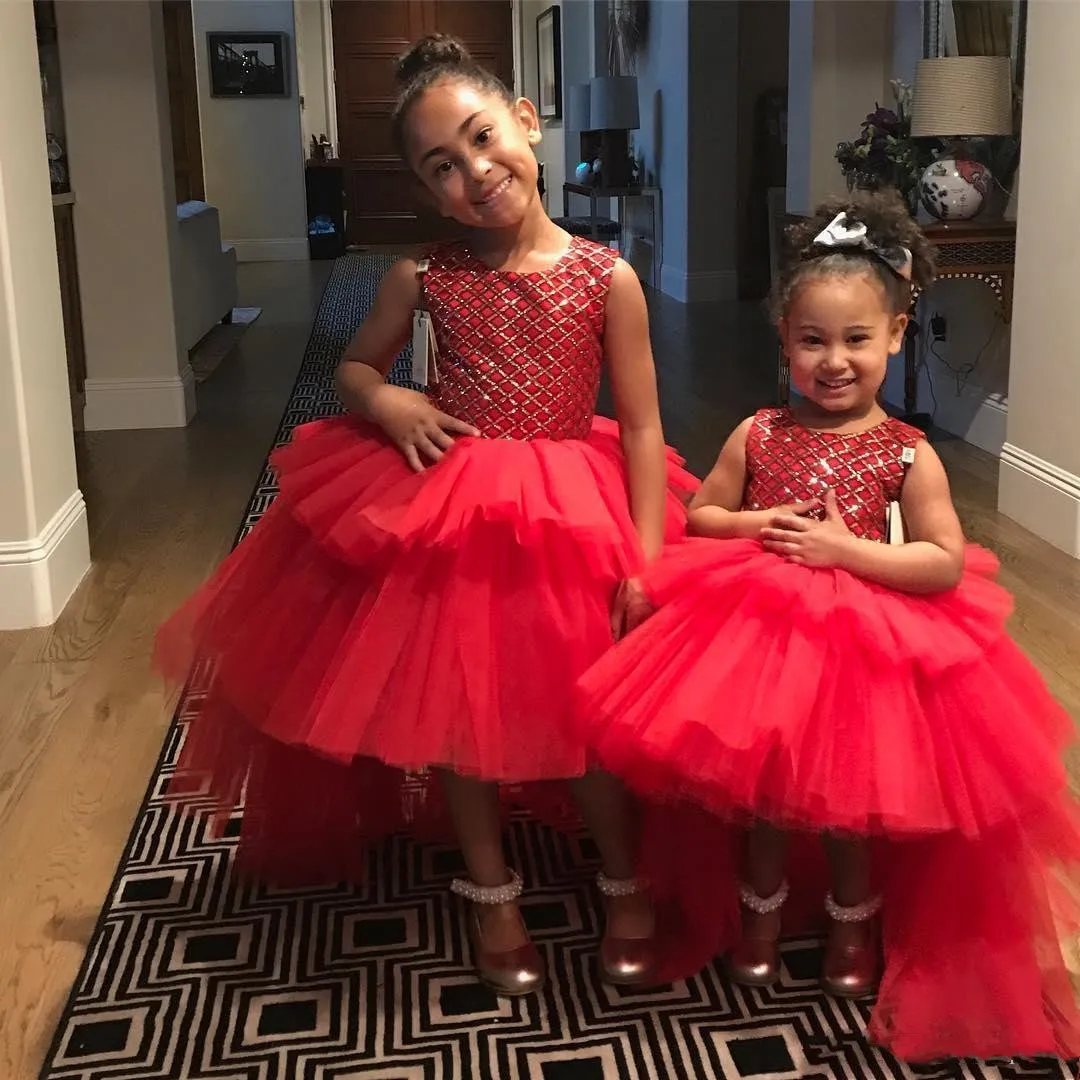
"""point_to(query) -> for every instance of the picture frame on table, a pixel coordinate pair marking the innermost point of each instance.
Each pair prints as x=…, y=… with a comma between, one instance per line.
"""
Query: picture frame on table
x=549, y=64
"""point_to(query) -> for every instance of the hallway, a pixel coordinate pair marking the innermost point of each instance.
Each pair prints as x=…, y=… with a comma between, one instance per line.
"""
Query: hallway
x=82, y=718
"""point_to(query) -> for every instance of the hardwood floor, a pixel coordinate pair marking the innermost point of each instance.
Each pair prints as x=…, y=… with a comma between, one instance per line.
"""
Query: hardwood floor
x=82, y=717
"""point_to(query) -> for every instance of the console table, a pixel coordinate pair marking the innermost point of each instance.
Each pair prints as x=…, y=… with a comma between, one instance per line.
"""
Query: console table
x=977, y=250
x=620, y=195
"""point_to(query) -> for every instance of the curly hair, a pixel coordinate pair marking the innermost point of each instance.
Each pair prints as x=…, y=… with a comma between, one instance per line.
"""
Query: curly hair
x=889, y=225
x=429, y=61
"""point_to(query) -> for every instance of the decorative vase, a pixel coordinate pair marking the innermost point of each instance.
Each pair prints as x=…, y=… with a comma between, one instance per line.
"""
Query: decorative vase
x=955, y=188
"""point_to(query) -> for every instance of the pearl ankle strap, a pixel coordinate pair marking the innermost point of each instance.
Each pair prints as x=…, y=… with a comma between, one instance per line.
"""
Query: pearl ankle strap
x=854, y=914
x=616, y=887
x=763, y=905
x=488, y=894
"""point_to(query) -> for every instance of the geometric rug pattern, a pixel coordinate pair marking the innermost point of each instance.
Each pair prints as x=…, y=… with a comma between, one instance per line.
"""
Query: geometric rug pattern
x=192, y=976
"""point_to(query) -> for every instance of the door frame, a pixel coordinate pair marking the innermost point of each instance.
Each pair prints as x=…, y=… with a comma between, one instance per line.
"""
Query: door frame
x=330, y=88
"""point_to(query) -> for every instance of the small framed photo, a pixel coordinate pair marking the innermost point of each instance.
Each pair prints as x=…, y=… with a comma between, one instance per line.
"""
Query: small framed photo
x=549, y=64
x=248, y=65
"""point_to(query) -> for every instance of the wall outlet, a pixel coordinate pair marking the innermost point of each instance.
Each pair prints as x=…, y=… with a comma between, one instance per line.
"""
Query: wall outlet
x=939, y=328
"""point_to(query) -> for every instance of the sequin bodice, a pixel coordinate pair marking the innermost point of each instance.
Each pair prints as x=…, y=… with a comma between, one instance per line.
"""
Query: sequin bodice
x=786, y=463
x=520, y=354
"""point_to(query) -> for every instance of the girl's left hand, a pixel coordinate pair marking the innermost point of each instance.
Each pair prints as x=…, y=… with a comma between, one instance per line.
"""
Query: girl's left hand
x=807, y=542
x=631, y=608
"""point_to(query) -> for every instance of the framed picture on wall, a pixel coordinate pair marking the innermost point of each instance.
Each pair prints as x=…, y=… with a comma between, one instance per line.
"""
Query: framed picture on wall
x=549, y=64
x=248, y=65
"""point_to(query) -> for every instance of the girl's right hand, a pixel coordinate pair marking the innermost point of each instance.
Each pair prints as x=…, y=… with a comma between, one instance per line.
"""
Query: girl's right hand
x=420, y=431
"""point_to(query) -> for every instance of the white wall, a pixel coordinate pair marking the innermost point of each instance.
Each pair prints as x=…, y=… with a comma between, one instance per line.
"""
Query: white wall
x=44, y=551
x=112, y=55
x=1040, y=462
x=839, y=65
x=253, y=157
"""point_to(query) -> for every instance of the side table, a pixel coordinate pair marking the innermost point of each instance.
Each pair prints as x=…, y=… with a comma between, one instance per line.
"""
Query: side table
x=620, y=195
x=977, y=250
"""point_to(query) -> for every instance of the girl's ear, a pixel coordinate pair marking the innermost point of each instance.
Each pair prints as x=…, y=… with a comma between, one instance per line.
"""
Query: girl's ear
x=896, y=333
x=525, y=113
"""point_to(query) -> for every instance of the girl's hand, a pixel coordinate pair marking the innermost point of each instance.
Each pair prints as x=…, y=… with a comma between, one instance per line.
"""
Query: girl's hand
x=760, y=521
x=631, y=608
x=415, y=426
x=823, y=544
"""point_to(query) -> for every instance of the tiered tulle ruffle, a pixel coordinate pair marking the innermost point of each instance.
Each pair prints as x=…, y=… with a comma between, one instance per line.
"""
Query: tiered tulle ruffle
x=378, y=617
x=823, y=702
x=819, y=698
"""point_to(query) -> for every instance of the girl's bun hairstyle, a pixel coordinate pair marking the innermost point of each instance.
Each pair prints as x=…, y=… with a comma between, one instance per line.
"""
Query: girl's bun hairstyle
x=429, y=61
x=433, y=51
x=889, y=227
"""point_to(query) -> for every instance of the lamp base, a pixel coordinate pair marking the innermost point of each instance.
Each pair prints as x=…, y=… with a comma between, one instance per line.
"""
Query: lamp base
x=955, y=187
x=611, y=147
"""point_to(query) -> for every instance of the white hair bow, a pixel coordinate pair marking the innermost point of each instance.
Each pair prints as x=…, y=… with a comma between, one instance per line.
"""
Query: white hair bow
x=844, y=232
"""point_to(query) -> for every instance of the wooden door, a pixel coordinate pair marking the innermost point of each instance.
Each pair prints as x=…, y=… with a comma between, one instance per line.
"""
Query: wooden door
x=381, y=194
x=183, y=99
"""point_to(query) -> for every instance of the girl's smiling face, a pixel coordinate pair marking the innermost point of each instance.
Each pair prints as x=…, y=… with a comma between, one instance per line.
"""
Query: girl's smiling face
x=838, y=334
x=473, y=153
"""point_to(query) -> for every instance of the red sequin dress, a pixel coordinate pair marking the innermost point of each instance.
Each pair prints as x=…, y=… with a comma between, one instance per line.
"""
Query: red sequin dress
x=823, y=702
x=378, y=622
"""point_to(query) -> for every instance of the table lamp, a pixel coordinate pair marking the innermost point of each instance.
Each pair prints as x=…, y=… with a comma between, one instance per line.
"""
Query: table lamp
x=613, y=114
x=957, y=98
x=578, y=107
x=613, y=103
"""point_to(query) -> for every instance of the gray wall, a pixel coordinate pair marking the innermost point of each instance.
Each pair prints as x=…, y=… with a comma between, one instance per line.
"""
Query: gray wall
x=688, y=92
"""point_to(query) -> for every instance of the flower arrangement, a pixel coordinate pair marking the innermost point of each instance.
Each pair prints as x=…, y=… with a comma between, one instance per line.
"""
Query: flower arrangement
x=885, y=154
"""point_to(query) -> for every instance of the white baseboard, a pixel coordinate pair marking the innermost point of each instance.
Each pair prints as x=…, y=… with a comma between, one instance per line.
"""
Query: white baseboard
x=38, y=576
x=1040, y=496
x=124, y=404
x=981, y=423
x=285, y=250
x=699, y=286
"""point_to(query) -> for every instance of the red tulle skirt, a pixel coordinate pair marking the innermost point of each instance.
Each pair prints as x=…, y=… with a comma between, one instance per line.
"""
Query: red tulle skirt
x=822, y=702
x=378, y=623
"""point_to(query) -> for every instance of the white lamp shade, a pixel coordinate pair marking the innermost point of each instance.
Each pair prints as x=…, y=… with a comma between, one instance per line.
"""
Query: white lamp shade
x=578, y=107
x=613, y=103
x=962, y=95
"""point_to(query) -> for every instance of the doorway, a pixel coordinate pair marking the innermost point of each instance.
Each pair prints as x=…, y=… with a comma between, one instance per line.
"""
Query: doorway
x=369, y=35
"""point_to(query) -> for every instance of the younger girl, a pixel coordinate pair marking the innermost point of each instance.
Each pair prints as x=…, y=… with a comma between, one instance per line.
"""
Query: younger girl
x=438, y=570
x=804, y=674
